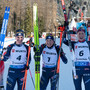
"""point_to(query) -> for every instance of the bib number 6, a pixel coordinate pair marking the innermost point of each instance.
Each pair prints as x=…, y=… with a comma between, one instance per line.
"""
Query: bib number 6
x=81, y=53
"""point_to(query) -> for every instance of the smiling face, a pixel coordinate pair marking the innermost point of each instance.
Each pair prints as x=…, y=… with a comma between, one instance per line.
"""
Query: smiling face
x=81, y=35
x=49, y=42
x=19, y=39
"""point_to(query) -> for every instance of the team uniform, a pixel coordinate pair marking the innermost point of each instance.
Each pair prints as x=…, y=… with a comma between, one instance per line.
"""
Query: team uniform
x=49, y=63
x=82, y=63
x=18, y=57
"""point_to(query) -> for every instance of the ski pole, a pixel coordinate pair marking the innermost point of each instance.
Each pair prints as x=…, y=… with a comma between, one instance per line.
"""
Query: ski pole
x=55, y=33
x=31, y=77
x=25, y=76
x=62, y=34
x=68, y=35
x=58, y=63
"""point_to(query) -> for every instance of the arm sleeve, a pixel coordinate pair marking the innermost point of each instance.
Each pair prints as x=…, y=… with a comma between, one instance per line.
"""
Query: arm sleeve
x=65, y=41
x=63, y=57
x=7, y=54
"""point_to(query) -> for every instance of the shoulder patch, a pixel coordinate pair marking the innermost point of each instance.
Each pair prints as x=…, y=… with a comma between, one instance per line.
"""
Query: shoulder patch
x=10, y=45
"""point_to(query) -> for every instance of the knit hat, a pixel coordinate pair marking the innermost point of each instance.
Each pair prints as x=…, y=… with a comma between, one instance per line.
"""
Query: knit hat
x=19, y=32
x=49, y=36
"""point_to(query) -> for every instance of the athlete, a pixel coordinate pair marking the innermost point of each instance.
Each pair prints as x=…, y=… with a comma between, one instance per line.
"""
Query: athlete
x=81, y=60
x=50, y=54
x=17, y=53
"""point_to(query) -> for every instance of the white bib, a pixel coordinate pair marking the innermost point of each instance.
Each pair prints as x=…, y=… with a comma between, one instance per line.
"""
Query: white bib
x=49, y=57
x=82, y=52
x=18, y=55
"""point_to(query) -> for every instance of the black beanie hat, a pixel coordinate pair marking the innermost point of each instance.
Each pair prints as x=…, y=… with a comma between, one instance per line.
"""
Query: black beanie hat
x=19, y=32
x=49, y=36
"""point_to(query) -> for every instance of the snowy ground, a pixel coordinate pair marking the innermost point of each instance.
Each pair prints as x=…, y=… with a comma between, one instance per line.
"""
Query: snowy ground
x=66, y=81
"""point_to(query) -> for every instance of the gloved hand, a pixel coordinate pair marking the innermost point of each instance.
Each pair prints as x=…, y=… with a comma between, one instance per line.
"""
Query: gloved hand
x=34, y=49
x=37, y=55
x=30, y=42
x=27, y=67
x=61, y=28
x=55, y=77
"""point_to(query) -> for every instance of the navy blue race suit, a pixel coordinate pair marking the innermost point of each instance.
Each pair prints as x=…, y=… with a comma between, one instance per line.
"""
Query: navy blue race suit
x=49, y=59
x=82, y=63
x=18, y=57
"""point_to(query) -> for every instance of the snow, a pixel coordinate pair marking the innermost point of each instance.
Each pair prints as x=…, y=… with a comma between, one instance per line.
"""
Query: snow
x=66, y=81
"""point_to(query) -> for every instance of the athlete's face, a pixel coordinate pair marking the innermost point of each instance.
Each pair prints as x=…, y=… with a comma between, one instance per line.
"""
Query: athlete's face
x=49, y=42
x=81, y=35
x=19, y=39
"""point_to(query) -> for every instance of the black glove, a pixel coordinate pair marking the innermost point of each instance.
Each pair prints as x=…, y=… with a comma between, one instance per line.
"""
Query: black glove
x=55, y=77
x=31, y=44
x=27, y=67
x=34, y=49
x=37, y=55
